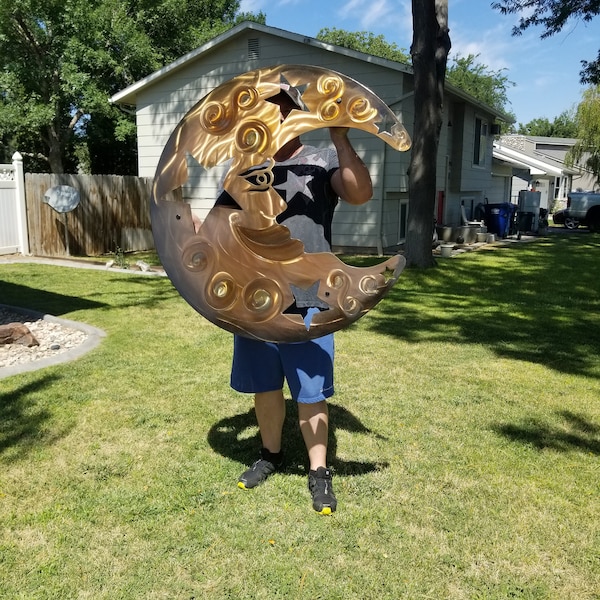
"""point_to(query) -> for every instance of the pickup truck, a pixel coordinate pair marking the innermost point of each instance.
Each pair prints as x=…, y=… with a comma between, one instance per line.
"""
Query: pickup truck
x=585, y=208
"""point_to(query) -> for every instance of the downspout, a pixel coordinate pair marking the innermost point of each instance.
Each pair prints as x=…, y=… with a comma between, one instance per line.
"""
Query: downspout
x=380, y=214
x=385, y=153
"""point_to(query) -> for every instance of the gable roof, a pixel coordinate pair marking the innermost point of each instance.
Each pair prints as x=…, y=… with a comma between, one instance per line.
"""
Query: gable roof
x=129, y=94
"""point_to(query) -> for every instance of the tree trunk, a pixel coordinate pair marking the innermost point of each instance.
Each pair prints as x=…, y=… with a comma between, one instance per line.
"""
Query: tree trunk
x=429, y=51
x=55, y=149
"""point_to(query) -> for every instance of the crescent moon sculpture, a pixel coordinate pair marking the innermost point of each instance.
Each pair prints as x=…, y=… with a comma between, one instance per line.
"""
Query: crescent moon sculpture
x=242, y=269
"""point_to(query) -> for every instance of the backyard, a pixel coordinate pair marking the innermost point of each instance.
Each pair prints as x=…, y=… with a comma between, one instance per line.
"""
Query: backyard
x=465, y=444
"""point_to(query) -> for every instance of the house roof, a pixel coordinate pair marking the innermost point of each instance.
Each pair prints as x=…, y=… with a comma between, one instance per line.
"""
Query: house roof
x=538, y=164
x=130, y=93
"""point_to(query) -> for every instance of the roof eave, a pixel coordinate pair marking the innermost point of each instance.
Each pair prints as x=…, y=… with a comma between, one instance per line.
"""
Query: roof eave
x=129, y=94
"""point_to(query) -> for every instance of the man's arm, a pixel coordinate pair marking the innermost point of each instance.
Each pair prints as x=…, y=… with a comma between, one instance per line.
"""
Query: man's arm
x=351, y=182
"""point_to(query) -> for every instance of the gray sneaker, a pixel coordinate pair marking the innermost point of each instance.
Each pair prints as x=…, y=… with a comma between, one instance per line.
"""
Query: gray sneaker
x=321, y=490
x=267, y=464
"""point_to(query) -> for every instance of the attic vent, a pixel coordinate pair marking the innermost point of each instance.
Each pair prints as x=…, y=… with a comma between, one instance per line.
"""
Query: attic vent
x=253, y=48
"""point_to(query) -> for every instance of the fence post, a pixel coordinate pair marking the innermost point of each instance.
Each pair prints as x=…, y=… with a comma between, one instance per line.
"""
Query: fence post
x=21, y=205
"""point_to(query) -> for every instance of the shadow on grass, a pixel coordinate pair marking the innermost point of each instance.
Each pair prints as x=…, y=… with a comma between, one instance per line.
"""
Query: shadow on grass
x=537, y=302
x=52, y=303
x=111, y=292
x=23, y=421
x=575, y=432
x=237, y=438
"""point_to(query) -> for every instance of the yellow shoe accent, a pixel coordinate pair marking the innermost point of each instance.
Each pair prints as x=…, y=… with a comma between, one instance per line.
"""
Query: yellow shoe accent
x=241, y=485
x=325, y=511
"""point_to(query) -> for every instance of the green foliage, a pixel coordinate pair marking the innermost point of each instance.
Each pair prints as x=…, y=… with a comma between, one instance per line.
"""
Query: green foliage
x=563, y=126
x=60, y=61
x=586, y=151
x=552, y=16
x=478, y=80
x=364, y=41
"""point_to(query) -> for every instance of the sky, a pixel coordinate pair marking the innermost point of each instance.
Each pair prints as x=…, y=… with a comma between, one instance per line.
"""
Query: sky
x=545, y=72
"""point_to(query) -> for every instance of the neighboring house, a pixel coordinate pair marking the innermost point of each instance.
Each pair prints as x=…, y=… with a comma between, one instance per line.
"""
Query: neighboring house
x=538, y=163
x=464, y=166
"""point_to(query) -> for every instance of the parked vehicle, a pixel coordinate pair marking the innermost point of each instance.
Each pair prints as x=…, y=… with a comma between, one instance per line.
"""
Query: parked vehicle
x=561, y=217
x=584, y=207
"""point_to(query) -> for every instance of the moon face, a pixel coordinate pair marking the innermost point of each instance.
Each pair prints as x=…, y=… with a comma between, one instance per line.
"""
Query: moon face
x=242, y=270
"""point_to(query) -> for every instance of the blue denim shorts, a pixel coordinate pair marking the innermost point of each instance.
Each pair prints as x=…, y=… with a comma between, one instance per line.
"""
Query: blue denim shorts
x=263, y=366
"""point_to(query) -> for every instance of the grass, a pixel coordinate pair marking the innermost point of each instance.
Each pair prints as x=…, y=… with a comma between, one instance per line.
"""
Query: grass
x=465, y=441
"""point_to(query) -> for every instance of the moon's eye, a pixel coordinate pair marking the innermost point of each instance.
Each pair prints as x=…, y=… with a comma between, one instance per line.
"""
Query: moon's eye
x=260, y=179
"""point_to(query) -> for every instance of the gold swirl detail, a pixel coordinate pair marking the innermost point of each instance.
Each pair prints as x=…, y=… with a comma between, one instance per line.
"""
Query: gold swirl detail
x=262, y=297
x=217, y=118
x=337, y=279
x=330, y=86
x=246, y=98
x=197, y=257
x=369, y=285
x=221, y=291
x=360, y=109
x=329, y=111
x=253, y=136
x=351, y=306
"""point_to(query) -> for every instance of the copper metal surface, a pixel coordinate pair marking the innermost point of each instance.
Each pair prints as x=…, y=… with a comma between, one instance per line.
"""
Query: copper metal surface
x=241, y=268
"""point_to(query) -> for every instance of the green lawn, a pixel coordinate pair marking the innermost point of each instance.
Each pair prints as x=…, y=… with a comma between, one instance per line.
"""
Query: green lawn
x=465, y=441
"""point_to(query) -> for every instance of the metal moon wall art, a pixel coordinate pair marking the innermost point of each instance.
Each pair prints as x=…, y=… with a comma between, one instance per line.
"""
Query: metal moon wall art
x=241, y=269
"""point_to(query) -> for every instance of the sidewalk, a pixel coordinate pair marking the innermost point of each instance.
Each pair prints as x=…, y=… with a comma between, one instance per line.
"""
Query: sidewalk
x=138, y=268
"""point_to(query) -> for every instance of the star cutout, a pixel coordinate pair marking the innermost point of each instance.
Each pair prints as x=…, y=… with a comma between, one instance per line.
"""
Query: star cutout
x=295, y=184
x=307, y=297
x=385, y=123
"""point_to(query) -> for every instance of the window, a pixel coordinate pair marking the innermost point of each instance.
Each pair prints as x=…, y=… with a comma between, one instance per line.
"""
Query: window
x=480, y=141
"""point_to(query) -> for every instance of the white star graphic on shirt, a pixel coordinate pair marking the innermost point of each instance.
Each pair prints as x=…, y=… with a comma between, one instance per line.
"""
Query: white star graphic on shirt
x=294, y=184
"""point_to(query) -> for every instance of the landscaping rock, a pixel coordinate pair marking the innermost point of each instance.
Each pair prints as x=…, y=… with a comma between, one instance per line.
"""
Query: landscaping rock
x=51, y=338
x=17, y=333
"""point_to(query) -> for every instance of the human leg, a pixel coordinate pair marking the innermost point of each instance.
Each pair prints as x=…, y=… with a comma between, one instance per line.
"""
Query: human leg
x=270, y=415
x=309, y=372
x=257, y=369
x=314, y=425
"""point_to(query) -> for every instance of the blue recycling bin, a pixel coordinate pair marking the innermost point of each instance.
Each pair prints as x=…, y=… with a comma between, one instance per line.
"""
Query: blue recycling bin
x=498, y=218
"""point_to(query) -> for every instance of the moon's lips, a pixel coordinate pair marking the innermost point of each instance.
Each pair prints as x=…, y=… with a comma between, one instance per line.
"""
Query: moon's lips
x=242, y=270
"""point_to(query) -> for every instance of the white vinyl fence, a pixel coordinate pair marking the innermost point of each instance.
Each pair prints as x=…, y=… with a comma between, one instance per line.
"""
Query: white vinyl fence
x=13, y=212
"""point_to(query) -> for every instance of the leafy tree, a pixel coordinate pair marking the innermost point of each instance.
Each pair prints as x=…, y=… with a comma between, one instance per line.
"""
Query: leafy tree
x=364, y=41
x=477, y=79
x=429, y=51
x=62, y=59
x=553, y=15
x=563, y=126
x=586, y=151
